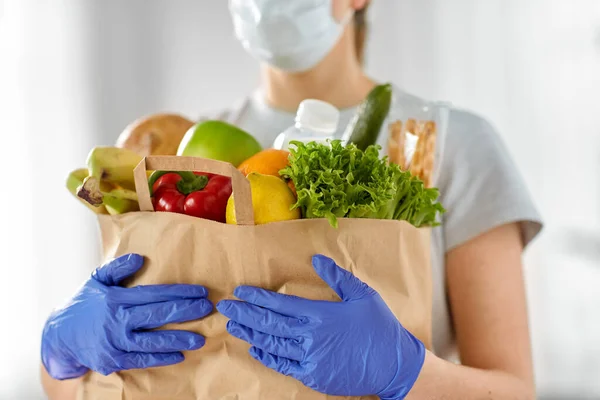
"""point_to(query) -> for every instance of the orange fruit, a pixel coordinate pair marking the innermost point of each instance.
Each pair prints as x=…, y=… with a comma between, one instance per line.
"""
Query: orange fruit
x=266, y=162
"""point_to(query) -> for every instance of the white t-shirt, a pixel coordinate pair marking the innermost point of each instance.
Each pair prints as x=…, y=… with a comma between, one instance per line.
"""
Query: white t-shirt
x=479, y=185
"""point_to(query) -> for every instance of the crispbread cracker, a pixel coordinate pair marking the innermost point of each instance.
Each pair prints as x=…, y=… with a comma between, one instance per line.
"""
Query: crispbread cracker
x=423, y=159
x=429, y=155
x=416, y=164
x=396, y=144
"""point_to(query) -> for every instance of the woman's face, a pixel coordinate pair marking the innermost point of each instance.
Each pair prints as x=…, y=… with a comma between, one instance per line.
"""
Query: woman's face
x=293, y=36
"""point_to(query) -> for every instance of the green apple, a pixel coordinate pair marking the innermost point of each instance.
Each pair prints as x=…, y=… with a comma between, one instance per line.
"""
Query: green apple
x=218, y=140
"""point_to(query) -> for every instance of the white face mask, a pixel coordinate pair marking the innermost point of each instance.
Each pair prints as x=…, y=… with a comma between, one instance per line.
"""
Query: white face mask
x=292, y=35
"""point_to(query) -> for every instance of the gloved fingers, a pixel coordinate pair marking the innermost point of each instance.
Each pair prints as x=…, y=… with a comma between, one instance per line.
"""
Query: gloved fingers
x=114, y=271
x=282, y=365
x=154, y=315
x=281, y=303
x=343, y=282
x=139, y=295
x=134, y=360
x=261, y=319
x=165, y=341
x=282, y=347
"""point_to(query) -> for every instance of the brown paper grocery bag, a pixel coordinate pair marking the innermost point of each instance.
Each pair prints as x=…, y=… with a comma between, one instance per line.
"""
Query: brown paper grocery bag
x=393, y=257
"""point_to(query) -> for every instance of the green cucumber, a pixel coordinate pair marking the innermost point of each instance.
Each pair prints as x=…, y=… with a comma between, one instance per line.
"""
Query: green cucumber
x=365, y=127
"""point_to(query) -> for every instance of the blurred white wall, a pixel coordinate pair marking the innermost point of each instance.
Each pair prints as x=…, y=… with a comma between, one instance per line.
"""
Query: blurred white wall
x=73, y=73
x=45, y=111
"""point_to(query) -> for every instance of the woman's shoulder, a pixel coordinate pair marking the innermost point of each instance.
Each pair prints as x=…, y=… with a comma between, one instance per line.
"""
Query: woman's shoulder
x=473, y=140
x=470, y=126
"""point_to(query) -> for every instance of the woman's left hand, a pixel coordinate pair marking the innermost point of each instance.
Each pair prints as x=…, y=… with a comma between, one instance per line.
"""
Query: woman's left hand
x=355, y=347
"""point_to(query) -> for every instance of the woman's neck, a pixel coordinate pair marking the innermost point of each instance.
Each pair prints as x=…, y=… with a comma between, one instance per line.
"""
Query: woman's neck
x=338, y=79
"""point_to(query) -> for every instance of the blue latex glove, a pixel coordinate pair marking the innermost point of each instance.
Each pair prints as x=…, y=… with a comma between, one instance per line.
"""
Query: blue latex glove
x=355, y=347
x=103, y=328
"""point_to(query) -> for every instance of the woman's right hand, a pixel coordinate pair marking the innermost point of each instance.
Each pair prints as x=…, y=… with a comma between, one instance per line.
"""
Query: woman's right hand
x=104, y=327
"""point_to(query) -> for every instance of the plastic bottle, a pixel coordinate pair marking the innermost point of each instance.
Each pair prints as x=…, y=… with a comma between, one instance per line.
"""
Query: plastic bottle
x=316, y=121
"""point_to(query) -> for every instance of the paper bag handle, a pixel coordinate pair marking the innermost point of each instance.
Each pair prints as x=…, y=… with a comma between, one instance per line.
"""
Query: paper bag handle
x=244, y=213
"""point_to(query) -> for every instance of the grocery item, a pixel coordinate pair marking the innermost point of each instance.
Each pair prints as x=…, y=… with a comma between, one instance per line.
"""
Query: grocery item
x=119, y=201
x=115, y=199
x=94, y=191
x=273, y=256
x=271, y=200
x=192, y=193
x=316, y=121
x=342, y=181
x=100, y=196
x=113, y=165
x=412, y=146
x=266, y=162
x=218, y=140
x=276, y=257
x=365, y=127
x=158, y=134
x=108, y=184
x=422, y=162
x=74, y=181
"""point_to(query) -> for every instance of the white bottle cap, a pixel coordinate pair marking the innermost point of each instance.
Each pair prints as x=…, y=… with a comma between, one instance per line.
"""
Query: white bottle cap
x=318, y=116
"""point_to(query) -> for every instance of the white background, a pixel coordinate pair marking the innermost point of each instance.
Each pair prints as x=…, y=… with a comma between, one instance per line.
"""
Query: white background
x=73, y=73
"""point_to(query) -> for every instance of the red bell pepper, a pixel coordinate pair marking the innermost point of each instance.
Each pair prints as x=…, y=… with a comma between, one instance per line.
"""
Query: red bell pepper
x=197, y=194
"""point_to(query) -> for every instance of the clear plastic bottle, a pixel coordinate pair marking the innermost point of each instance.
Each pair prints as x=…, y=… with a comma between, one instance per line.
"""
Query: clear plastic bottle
x=316, y=121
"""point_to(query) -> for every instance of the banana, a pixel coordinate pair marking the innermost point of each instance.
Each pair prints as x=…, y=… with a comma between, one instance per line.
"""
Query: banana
x=114, y=165
x=121, y=201
x=116, y=199
x=120, y=193
x=74, y=181
x=109, y=166
x=107, y=186
x=118, y=205
x=90, y=191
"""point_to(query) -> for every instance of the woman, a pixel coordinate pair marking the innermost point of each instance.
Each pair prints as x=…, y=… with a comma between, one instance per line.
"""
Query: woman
x=314, y=49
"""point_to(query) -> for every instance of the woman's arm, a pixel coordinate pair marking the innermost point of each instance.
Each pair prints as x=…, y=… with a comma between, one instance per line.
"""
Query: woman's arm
x=487, y=299
x=59, y=390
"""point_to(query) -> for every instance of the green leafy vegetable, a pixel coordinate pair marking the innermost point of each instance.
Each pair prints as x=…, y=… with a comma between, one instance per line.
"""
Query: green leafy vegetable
x=335, y=181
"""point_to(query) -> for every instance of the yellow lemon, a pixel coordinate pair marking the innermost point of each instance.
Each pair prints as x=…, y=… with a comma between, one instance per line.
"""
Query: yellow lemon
x=271, y=200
